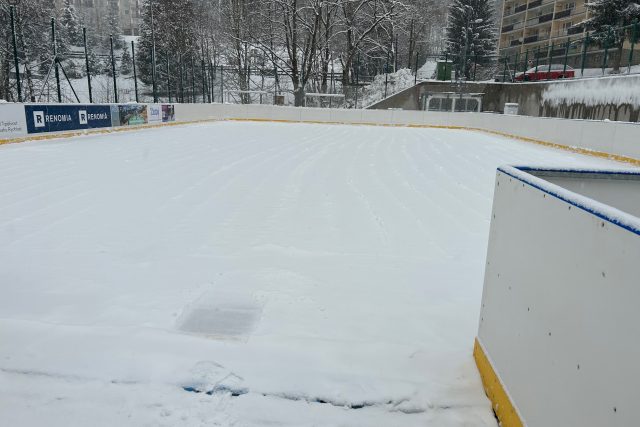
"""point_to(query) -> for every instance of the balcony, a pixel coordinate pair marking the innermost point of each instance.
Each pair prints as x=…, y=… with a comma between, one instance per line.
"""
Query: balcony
x=542, y=19
x=545, y=18
x=563, y=13
x=574, y=30
x=538, y=3
x=515, y=43
x=520, y=8
x=512, y=27
x=530, y=39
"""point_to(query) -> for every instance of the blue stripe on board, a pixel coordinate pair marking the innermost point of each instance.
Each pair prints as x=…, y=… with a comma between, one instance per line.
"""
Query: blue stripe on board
x=588, y=209
x=584, y=171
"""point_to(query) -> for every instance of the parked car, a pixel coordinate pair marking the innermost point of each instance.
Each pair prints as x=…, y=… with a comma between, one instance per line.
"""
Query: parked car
x=558, y=71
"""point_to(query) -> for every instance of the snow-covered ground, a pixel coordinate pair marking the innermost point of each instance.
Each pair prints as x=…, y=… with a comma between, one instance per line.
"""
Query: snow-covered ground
x=248, y=274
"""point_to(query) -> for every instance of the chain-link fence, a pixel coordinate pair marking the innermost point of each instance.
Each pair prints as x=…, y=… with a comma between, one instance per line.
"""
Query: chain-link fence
x=93, y=73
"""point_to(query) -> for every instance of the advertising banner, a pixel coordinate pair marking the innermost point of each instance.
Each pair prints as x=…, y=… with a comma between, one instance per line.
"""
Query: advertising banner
x=54, y=118
x=154, y=113
x=12, y=121
x=115, y=115
x=168, y=113
x=132, y=114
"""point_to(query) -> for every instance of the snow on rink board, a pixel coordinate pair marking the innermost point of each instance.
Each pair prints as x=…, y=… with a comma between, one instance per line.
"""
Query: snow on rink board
x=248, y=274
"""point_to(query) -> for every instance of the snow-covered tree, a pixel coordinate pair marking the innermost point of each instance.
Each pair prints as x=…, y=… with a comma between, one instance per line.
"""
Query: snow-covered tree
x=95, y=65
x=471, y=35
x=69, y=24
x=105, y=66
x=125, y=61
x=113, y=25
x=606, y=19
x=175, y=28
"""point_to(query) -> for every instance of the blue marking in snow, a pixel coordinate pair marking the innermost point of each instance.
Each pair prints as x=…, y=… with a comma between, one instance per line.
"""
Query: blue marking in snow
x=220, y=389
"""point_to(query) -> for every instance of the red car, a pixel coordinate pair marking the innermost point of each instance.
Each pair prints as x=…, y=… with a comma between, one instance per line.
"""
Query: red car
x=558, y=71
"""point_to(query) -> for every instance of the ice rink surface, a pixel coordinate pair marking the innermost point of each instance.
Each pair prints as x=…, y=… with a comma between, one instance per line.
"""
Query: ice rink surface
x=248, y=274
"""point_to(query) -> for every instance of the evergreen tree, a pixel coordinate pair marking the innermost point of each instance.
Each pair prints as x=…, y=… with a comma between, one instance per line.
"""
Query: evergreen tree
x=113, y=25
x=607, y=18
x=105, y=66
x=69, y=25
x=125, y=61
x=174, y=24
x=471, y=35
x=72, y=69
x=95, y=65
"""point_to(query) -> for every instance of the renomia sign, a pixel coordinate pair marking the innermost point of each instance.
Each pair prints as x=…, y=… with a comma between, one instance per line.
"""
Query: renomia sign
x=53, y=118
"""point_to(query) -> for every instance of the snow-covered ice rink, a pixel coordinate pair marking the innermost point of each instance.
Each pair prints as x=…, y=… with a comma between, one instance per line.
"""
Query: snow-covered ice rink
x=248, y=274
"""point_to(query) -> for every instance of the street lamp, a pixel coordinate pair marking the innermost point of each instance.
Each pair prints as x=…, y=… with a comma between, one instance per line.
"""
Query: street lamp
x=12, y=6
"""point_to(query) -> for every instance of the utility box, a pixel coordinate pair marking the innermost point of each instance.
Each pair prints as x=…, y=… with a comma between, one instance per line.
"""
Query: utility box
x=278, y=100
x=511, y=108
x=444, y=70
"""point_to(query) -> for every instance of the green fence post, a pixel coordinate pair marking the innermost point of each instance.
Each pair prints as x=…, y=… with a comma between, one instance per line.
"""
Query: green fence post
x=605, y=58
x=566, y=57
x=475, y=66
x=515, y=64
x=386, y=76
x=113, y=71
x=135, y=73
x=506, y=65
x=550, y=60
x=585, y=46
x=446, y=65
x=525, y=65
x=634, y=36
x=181, y=78
x=168, y=79
x=153, y=56
x=537, y=61
x=204, y=83
x=222, y=84
x=193, y=81
x=358, y=74
x=204, y=80
x=55, y=57
x=86, y=63
x=15, y=53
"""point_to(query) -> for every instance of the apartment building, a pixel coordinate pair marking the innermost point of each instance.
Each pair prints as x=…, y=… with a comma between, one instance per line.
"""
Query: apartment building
x=94, y=14
x=531, y=24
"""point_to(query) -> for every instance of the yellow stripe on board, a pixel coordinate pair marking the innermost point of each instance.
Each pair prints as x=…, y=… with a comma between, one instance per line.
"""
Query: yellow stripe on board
x=579, y=150
x=40, y=137
x=502, y=405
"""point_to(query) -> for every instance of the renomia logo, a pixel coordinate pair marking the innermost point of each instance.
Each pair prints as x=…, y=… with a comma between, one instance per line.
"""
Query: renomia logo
x=53, y=118
x=38, y=119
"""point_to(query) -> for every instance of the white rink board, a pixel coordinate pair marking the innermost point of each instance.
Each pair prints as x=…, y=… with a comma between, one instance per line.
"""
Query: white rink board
x=619, y=138
x=12, y=121
x=559, y=319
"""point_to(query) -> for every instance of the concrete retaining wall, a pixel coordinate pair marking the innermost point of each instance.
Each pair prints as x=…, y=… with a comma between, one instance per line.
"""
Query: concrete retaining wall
x=559, y=316
x=613, y=98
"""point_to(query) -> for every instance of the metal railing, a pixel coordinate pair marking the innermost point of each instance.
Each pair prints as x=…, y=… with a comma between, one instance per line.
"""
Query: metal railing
x=592, y=54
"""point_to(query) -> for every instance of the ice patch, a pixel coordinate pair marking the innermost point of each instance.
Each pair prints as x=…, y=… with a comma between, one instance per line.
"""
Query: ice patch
x=221, y=316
